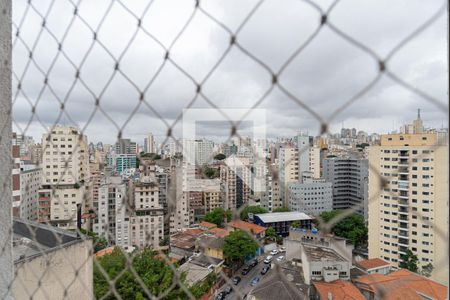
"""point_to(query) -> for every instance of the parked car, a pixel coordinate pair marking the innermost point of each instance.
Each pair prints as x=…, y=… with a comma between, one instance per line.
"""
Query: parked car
x=227, y=290
x=274, y=252
x=268, y=259
x=255, y=280
x=220, y=296
x=245, y=270
x=265, y=269
x=282, y=249
x=236, y=280
x=253, y=262
x=281, y=258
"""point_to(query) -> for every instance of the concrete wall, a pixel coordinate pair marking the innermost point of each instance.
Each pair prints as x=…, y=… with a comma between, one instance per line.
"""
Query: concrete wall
x=57, y=272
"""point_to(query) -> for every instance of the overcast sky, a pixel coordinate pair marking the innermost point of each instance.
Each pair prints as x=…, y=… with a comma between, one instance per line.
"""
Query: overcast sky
x=324, y=75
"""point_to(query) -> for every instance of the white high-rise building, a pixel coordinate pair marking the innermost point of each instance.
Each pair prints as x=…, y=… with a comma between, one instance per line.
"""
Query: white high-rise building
x=112, y=219
x=65, y=170
x=312, y=196
x=198, y=152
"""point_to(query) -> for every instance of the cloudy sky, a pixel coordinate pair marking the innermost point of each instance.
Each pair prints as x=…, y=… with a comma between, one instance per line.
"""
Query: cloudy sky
x=324, y=75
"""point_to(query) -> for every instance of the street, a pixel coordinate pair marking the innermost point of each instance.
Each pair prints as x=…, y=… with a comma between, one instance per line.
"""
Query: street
x=244, y=287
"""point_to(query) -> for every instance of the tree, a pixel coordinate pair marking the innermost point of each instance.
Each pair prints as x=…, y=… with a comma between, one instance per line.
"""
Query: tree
x=409, y=261
x=295, y=224
x=281, y=209
x=352, y=227
x=251, y=209
x=98, y=242
x=220, y=156
x=271, y=233
x=427, y=270
x=239, y=245
x=210, y=172
x=156, y=275
x=217, y=216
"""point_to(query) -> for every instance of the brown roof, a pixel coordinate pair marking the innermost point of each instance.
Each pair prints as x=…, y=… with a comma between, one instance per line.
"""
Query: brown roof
x=183, y=240
x=246, y=226
x=339, y=289
x=368, y=264
x=103, y=252
x=207, y=224
x=219, y=232
x=401, y=284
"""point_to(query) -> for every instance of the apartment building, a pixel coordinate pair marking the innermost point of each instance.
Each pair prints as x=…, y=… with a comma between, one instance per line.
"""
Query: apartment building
x=288, y=171
x=65, y=170
x=270, y=199
x=212, y=196
x=125, y=146
x=112, y=217
x=349, y=176
x=30, y=182
x=122, y=162
x=198, y=152
x=409, y=209
x=235, y=175
x=312, y=196
x=150, y=144
x=147, y=219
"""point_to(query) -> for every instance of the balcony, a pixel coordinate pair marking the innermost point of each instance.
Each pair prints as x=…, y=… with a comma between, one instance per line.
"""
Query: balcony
x=403, y=153
x=403, y=161
x=403, y=233
x=403, y=210
x=403, y=218
x=403, y=202
x=403, y=170
x=403, y=226
x=403, y=242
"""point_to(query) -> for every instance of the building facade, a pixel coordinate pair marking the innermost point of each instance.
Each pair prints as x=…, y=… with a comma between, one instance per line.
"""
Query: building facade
x=409, y=209
x=312, y=197
x=349, y=176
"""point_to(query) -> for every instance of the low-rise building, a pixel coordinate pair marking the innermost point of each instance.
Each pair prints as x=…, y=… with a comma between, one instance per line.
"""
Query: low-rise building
x=375, y=265
x=401, y=284
x=256, y=231
x=318, y=263
x=210, y=245
x=335, y=290
x=281, y=221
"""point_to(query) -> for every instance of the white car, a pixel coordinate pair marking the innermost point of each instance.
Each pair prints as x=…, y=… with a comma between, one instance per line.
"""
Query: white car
x=274, y=252
x=268, y=259
x=282, y=249
x=281, y=258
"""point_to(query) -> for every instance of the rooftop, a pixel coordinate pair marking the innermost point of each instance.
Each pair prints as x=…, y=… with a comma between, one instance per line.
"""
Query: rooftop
x=249, y=227
x=402, y=284
x=210, y=241
x=32, y=239
x=283, y=216
x=317, y=253
x=219, y=232
x=277, y=286
x=183, y=240
x=373, y=263
x=339, y=290
x=207, y=224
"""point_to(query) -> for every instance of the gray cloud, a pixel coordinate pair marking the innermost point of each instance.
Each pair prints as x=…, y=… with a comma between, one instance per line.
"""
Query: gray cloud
x=324, y=75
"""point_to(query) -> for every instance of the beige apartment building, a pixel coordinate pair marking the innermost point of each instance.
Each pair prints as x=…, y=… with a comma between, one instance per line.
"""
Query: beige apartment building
x=65, y=172
x=411, y=210
x=288, y=171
